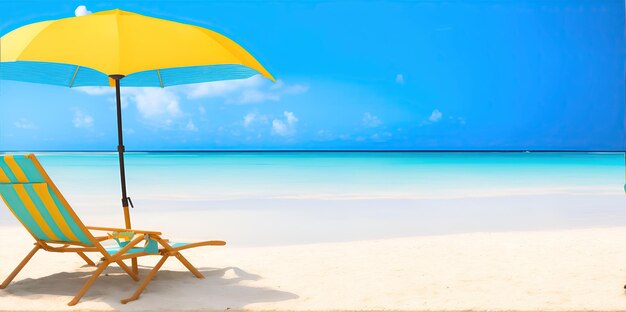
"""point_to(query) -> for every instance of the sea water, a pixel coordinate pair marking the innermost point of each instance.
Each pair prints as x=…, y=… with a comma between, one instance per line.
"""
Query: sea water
x=337, y=175
x=261, y=198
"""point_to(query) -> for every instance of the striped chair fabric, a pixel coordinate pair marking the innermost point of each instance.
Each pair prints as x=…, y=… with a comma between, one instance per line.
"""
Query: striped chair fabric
x=31, y=199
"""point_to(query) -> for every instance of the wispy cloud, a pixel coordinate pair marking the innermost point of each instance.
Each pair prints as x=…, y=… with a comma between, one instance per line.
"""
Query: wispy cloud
x=191, y=126
x=289, y=89
x=327, y=135
x=154, y=104
x=252, y=118
x=161, y=107
x=285, y=127
x=81, y=10
x=400, y=79
x=96, y=90
x=370, y=120
x=435, y=116
x=157, y=107
x=291, y=118
x=279, y=127
x=244, y=91
x=324, y=134
x=460, y=120
x=381, y=137
x=221, y=88
x=82, y=120
x=24, y=123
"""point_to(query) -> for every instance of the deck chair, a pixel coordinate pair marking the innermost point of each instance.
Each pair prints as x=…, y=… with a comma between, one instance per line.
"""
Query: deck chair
x=32, y=197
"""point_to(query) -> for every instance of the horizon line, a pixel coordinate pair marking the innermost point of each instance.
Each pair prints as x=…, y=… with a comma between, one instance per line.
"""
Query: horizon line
x=327, y=151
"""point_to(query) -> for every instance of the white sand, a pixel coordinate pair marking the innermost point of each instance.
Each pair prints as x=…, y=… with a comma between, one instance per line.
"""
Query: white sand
x=582, y=269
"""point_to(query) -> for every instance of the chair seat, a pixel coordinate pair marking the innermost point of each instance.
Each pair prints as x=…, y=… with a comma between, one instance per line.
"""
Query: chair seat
x=114, y=249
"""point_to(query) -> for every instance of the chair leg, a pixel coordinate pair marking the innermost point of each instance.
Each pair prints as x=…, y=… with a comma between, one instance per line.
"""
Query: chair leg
x=19, y=267
x=145, y=282
x=89, y=282
x=89, y=262
x=188, y=265
x=127, y=270
x=135, y=266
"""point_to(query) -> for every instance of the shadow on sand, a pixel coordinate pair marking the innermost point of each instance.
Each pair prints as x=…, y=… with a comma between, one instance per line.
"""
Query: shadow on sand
x=221, y=289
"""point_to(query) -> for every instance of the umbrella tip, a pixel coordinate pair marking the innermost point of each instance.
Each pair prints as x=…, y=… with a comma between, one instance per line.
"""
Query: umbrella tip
x=118, y=11
x=112, y=11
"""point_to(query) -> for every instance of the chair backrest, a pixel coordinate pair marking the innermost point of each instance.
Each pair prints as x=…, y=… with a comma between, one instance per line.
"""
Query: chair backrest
x=28, y=192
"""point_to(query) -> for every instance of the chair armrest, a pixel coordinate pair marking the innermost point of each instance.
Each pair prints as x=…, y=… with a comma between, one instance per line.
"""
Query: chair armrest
x=99, y=228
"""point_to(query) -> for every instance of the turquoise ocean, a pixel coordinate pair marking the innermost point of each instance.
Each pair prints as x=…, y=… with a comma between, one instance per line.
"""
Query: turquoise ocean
x=310, y=197
x=339, y=175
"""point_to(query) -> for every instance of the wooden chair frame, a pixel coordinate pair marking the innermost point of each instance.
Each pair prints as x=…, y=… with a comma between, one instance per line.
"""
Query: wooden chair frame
x=165, y=252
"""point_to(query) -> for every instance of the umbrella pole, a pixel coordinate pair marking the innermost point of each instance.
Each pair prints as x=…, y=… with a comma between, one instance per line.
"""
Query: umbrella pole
x=120, y=150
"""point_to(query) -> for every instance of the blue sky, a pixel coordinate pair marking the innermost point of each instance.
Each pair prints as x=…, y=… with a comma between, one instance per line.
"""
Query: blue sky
x=354, y=75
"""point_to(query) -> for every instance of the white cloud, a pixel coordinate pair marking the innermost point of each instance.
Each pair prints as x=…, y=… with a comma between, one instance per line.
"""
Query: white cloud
x=191, y=126
x=221, y=88
x=278, y=84
x=291, y=118
x=370, y=120
x=253, y=117
x=96, y=90
x=248, y=119
x=157, y=106
x=289, y=89
x=255, y=89
x=435, y=116
x=285, y=127
x=82, y=120
x=400, y=79
x=161, y=107
x=81, y=10
x=257, y=96
x=24, y=123
x=108, y=91
x=279, y=127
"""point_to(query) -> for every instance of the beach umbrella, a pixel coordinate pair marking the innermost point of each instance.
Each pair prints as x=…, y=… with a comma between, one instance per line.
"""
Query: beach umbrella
x=122, y=49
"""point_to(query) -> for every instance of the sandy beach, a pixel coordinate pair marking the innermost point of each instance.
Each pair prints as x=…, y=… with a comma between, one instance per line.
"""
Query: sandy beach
x=427, y=240
x=353, y=155
x=555, y=270
x=547, y=270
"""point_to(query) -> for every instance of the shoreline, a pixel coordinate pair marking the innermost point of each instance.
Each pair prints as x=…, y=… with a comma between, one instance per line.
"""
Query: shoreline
x=263, y=222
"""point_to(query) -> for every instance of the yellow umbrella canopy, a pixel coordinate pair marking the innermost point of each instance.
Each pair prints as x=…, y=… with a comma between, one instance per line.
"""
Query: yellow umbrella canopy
x=118, y=48
x=148, y=51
